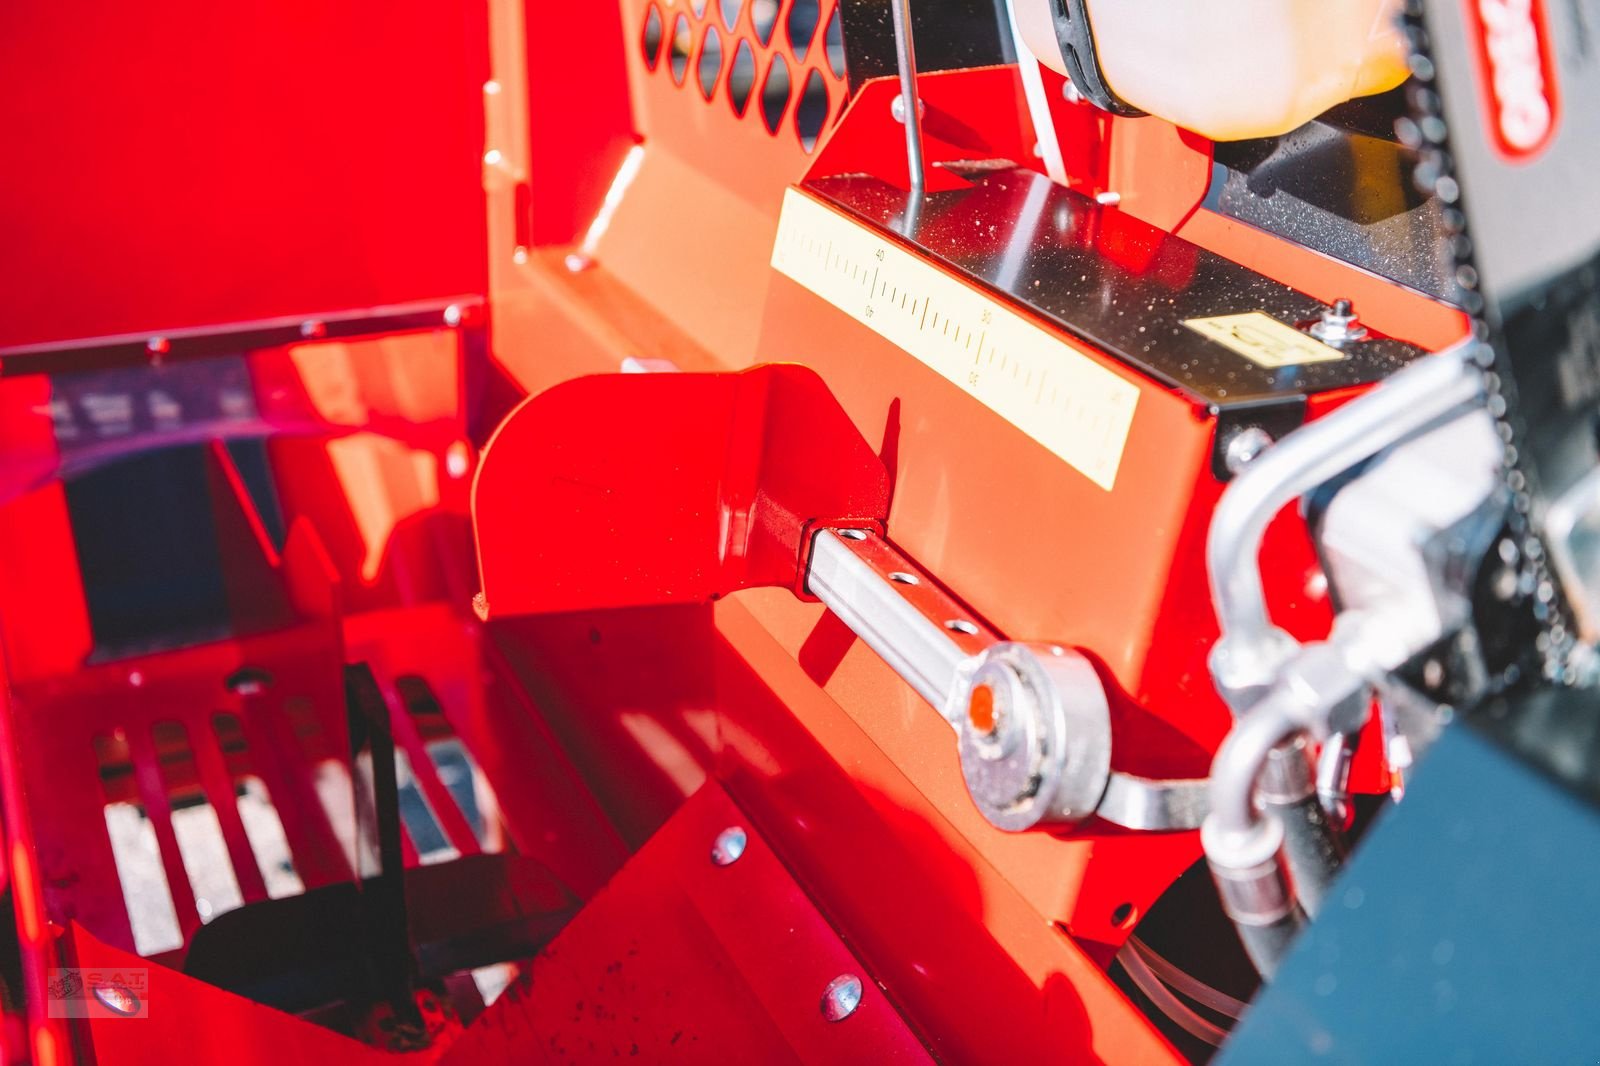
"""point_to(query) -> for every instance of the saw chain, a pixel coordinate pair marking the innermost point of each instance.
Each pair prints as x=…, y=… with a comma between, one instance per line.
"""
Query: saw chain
x=1515, y=172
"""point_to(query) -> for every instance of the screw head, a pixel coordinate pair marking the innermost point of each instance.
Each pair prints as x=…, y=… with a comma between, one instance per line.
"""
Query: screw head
x=897, y=108
x=729, y=846
x=118, y=998
x=841, y=998
x=1245, y=446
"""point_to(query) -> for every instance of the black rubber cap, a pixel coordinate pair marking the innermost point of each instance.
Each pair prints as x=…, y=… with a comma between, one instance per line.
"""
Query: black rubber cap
x=1076, y=38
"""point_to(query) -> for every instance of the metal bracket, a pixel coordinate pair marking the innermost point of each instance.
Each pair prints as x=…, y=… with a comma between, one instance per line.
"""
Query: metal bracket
x=1032, y=723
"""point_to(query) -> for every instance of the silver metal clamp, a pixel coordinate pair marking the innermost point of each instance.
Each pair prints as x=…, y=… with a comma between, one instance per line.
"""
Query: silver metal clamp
x=1032, y=724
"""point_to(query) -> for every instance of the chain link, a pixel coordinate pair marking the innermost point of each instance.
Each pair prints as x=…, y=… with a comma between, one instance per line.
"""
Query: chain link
x=1427, y=132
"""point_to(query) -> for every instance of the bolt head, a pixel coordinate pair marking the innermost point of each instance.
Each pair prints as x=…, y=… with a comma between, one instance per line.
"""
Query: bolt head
x=1338, y=325
x=841, y=998
x=729, y=846
x=118, y=998
x=897, y=108
x=1244, y=448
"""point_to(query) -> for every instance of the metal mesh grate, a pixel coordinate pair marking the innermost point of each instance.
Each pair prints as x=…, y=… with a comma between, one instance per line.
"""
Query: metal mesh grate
x=781, y=60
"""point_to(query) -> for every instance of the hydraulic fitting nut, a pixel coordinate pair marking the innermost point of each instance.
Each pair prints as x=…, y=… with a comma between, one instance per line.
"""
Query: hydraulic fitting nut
x=1249, y=872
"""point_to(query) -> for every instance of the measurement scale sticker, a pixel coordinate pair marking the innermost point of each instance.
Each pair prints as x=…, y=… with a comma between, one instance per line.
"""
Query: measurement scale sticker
x=1078, y=409
x=1264, y=340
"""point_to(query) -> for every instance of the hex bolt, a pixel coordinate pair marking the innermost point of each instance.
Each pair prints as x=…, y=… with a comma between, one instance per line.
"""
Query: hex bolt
x=1339, y=324
x=841, y=998
x=729, y=846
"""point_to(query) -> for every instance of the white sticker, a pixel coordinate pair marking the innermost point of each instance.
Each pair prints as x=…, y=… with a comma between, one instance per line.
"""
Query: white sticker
x=1078, y=409
x=1264, y=340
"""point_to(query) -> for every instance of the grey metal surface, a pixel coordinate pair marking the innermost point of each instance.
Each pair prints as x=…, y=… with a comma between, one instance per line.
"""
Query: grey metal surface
x=1462, y=930
x=1156, y=805
x=1528, y=220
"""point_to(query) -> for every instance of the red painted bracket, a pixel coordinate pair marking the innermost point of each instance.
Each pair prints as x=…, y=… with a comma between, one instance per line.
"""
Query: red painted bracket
x=629, y=490
x=869, y=140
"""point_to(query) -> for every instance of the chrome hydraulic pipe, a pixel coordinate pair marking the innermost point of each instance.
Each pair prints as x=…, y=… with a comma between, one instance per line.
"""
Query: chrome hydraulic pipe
x=1251, y=854
x=1312, y=847
x=1245, y=850
x=1251, y=651
x=905, y=54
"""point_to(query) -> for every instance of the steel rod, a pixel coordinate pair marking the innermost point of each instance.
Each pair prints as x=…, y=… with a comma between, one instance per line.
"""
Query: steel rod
x=906, y=59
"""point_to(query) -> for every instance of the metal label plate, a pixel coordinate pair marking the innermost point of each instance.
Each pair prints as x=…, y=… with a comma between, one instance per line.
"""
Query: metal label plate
x=1078, y=409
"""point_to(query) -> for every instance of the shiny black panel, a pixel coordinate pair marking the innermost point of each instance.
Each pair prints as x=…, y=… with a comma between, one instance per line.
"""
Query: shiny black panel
x=949, y=35
x=1343, y=186
x=1116, y=282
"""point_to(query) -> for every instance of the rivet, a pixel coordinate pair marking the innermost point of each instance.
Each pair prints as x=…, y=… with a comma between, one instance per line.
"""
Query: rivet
x=841, y=998
x=729, y=845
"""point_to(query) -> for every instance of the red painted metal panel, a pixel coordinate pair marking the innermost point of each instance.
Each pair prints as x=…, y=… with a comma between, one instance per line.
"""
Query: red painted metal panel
x=209, y=163
x=636, y=489
x=858, y=792
x=682, y=960
x=190, y=1021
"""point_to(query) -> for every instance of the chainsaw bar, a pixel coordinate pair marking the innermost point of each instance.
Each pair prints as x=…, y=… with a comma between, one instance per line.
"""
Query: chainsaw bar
x=1515, y=170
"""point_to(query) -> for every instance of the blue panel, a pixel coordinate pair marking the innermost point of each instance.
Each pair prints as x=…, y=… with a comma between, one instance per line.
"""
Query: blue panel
x=1463, y=930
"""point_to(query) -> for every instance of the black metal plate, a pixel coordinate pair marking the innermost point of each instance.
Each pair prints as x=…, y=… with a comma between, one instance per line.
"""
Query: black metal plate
x=949, y=35
x=1341, y=185
x=1107, y=278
